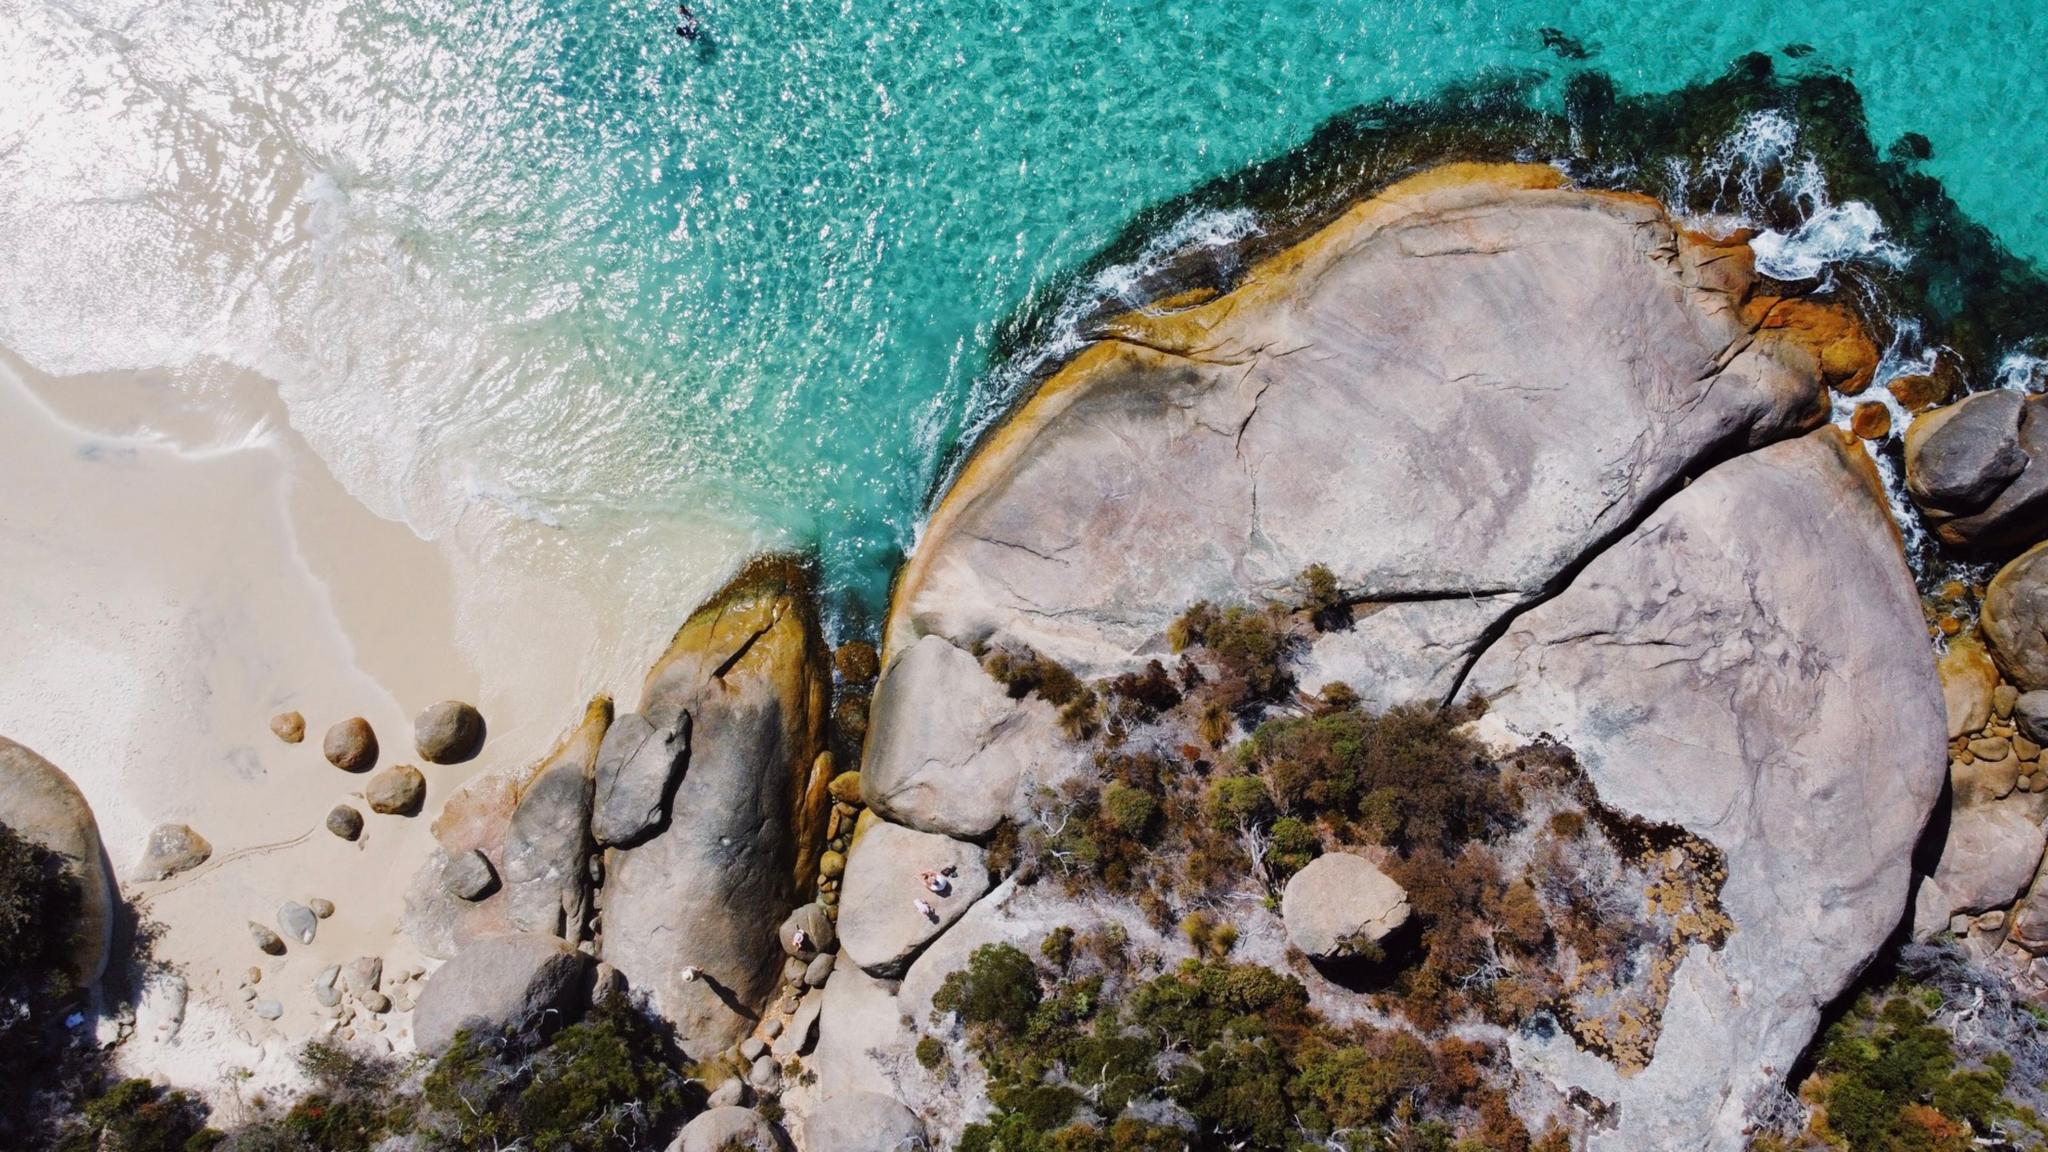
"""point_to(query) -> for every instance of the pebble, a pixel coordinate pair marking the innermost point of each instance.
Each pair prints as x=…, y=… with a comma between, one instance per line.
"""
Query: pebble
x=248, y=994
x=731, y=1094
x=752, y=1047
x=268, y=1009
x=764, y=1075
x=327, y=995
x=297, y=921
x=265, y=939
x=819, y=969
x=254, y=975
x=321, y=908
x=1991, y=921
x=2003, y=698
x=376, y=1001
x=1993, y=748
x=772, y=1029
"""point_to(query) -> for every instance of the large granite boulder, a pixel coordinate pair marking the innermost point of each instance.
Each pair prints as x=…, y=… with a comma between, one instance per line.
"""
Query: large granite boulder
x=863, y=1039
x=1979, y=469
x=729, y=1129
x=637, y=771
x=748, y=675
x=41, y=804
x=886, y=916
x=1531, y=367
x=1341, y=906
x=1988, y=856
x=954, y=769
x=547, y=843
x=518, y=982
x=1710, y=673
x=2016, y=619
x=863, y=1122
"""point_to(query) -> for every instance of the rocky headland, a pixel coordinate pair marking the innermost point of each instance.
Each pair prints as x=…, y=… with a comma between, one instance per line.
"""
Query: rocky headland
x=1467, y=631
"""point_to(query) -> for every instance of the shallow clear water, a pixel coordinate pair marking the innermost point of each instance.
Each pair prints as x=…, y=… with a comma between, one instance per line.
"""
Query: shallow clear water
x=545, y=254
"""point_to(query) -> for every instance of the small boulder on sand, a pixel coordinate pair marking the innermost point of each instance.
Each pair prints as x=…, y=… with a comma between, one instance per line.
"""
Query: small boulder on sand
x=448, y=733
x=266, y=940
x=351, y=745
x=396, y=791
x=1341, y=906
x=172, y=848
x=289, y=727
x=297, y=921
x=345, y=822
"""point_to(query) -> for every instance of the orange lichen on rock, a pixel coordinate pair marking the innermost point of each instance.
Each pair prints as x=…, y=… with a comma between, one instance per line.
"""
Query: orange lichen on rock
x=1831, y=331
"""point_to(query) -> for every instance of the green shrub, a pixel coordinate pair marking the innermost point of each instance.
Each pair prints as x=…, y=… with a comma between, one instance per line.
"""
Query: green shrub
x=38, y=904
x=1293, y=845
x=1322, y=599
x=1252, y=645
x=138, y=1116
x=1236, y=802
x=930, y=1053
x=1129, y=811
x=997, y=991
x=605, y=1084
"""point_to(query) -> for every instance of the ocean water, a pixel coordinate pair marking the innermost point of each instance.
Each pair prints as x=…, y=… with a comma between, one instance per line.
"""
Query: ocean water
x=546, y=256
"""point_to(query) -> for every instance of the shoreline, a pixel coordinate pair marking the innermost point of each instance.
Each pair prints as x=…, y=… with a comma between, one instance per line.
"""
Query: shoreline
x=183, y=567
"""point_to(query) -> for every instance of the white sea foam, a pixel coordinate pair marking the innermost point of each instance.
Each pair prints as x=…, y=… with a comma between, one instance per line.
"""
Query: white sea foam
x=2023, y=372
x=1834, y=234
x=1761, y=168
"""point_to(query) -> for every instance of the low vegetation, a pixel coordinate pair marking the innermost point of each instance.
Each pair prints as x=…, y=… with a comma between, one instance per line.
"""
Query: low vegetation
x=1085, y=1051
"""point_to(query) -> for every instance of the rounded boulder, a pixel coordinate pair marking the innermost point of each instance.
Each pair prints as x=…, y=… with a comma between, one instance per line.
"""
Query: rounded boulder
x=1341, y=906
x=2016, y=619
x=448, y=733
x=351, y=745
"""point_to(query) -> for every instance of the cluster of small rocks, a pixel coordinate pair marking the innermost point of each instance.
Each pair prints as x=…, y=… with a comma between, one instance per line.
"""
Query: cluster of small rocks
x=446, y=733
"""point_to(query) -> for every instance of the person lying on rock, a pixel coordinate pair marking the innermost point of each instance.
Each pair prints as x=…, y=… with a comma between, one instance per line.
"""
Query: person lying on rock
x=936, y=882
x=925, y=910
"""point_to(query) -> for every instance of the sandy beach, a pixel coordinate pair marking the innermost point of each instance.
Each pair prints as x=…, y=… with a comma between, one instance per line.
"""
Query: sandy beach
x=180, y=567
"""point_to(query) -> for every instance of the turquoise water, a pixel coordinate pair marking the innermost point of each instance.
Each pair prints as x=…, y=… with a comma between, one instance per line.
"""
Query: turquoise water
x=759, y=277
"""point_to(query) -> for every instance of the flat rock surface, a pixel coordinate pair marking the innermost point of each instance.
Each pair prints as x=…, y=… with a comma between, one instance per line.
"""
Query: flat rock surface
x=1715, y=670
x=881, y=927
x=1468, y=324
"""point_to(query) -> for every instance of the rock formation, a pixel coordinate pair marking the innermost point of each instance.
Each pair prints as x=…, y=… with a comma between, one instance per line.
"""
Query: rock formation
x=547, y=843
x=42, y=805
x=1979, y=470
x=1550, y=445
x=1710, y=672
x=2016, y=619
x=747, y=676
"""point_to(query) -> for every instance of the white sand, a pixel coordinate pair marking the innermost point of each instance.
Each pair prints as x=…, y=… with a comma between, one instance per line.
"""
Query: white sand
x=176, y=566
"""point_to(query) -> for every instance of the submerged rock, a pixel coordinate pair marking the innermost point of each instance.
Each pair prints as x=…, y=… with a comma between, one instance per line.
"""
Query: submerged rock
x=43, y=806
x=448, y=733
x=351, y=745
x=171, y=849
x=704, y=894
x=1341, y=906
x=525, y=982
x=547, y=842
